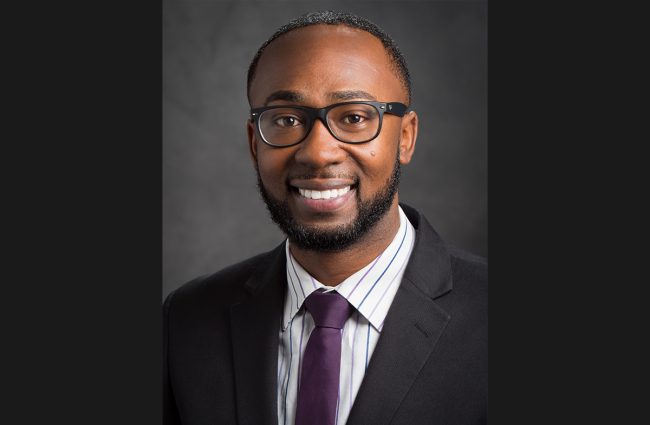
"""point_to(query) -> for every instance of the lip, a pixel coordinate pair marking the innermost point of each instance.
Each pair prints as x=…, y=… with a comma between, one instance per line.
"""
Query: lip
x=323, y=205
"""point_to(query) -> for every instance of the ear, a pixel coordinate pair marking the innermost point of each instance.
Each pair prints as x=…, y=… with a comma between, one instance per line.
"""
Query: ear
x=409, y=134
x=252, y=141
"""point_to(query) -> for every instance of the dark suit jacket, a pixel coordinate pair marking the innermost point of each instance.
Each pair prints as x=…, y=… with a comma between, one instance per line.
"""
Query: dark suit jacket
x=220, y=355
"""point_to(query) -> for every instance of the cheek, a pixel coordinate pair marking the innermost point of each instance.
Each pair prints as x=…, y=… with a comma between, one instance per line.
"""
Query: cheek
x=271, y=164
x=378, y=156
x=376, y=169
x=267, y=173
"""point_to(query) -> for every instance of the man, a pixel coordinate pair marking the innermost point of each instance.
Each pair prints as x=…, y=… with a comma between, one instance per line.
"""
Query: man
x=364, y=315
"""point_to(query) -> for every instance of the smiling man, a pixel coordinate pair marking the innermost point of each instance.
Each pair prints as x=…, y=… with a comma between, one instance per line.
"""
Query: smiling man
x=363, y=315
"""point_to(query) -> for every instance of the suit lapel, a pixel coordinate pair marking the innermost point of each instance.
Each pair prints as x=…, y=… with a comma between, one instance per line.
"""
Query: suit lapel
x=412, y=328
x=255, y=330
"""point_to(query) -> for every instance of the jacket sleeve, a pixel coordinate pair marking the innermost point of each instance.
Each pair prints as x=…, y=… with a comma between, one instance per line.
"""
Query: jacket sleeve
x=170, y=411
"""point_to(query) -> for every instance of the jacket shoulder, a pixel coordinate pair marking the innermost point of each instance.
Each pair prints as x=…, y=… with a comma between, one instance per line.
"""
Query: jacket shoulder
x=225, y=286
x=461, y=259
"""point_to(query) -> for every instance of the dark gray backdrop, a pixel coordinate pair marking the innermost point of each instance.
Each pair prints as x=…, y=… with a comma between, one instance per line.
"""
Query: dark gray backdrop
x=212, y=215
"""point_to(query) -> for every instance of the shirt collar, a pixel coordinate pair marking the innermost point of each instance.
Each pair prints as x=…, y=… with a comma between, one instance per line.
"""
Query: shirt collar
x=370, y=290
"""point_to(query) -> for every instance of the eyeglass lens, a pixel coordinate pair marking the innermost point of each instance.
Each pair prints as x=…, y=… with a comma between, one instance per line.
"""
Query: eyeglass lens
x=353, y=122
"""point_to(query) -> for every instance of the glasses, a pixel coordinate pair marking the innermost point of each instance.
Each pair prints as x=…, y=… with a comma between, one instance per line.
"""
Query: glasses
x=349, y=122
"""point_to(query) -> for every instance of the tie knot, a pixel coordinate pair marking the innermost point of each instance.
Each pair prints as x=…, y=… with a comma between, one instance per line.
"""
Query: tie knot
x=329, y=310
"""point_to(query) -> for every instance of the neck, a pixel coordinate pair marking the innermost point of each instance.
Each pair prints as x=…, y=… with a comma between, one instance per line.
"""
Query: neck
x=332, y=268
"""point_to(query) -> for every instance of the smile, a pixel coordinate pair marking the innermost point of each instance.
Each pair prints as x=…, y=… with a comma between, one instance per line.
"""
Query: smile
x=324, y=194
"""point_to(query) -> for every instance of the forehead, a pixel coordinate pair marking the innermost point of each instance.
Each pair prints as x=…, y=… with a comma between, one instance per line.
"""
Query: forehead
x=320, y=60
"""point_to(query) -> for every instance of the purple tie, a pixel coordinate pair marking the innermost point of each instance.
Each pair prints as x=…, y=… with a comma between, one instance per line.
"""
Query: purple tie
x=319, y=385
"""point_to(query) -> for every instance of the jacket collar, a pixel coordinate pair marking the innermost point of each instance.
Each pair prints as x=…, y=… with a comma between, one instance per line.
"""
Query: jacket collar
x=255, y=325
x=429, y=268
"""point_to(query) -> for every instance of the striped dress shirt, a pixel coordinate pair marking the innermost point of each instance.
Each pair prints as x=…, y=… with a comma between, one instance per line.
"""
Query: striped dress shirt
x=371, y=291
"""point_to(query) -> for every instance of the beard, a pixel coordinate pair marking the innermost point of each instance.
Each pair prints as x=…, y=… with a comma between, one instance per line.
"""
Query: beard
x=336, y=238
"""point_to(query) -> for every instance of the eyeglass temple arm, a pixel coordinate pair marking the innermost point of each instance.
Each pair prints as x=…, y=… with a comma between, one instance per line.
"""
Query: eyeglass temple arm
x=396, y=108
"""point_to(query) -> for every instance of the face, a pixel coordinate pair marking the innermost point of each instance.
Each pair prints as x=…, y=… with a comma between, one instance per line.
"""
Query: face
x=315, y=67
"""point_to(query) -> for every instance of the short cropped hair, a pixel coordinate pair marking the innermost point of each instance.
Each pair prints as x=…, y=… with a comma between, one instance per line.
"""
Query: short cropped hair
x=335, y=17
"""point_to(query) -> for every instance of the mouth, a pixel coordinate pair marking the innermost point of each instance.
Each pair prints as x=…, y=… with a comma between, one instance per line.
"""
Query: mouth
x=324, y=194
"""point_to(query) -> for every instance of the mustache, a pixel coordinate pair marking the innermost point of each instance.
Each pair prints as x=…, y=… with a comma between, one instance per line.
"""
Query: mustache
x=325, y=174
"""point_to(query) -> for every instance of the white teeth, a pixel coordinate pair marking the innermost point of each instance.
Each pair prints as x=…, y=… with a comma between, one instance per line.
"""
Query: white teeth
x=324, y=194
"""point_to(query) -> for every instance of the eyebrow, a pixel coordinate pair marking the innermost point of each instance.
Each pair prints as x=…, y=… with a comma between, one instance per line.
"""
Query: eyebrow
x=342, y=96
x=339, y=96
x=286, y=95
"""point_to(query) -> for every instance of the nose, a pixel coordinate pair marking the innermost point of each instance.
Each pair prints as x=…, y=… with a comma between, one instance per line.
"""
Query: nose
x=320, y=148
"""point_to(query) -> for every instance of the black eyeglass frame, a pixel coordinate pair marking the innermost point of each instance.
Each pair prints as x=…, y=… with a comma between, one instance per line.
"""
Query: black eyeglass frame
x=394, y=108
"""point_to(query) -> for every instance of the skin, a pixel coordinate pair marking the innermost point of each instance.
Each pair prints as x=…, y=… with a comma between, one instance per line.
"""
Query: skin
x=315, y=67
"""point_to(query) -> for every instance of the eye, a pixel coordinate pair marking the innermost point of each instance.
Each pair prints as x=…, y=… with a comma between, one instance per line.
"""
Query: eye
x=353, y=119
x=287, y=121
